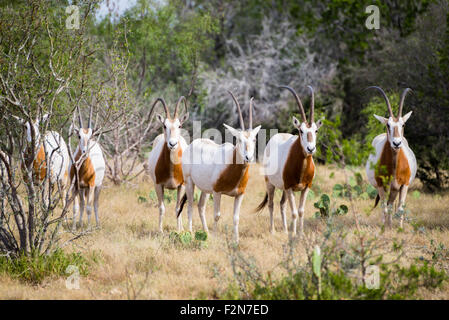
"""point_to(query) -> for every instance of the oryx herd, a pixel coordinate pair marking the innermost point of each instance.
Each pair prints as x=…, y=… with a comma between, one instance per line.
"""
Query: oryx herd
x=223, y=169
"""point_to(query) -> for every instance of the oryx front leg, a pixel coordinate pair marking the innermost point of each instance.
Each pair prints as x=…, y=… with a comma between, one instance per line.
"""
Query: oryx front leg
x=392, y=197
x=202, y=209
x=301, y=209
x=217, y=214
x=291, y=201
x=237, y=204
x=160, y=199
x=402, y=196
x=81, y=196
x=180, y=194
x=89, y=203
x=383, y=204
x=76, y=207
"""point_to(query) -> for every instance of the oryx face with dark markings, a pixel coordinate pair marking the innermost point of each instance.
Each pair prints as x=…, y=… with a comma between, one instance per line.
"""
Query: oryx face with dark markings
x=307, y=129
x=172, y=125
x=395, y=125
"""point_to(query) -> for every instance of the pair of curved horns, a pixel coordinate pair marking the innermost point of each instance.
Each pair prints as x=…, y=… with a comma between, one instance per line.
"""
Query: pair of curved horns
x=167, y=113
x=387, y=101
x=242, y=123
x=300, y=106
x=81, y=119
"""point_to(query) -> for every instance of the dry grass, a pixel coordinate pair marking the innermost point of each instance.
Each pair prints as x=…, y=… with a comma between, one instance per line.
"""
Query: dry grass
x=132, y=253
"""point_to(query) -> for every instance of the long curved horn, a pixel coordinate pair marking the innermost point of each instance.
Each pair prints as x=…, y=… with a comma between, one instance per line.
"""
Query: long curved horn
x=251, y=113
x=385, y=97
x=242, y=124
x=177, y=105
x=401, y=104
x=90, y=117
x=312, y=105
x=80, y=119
x=161, y=100
x=298, y=101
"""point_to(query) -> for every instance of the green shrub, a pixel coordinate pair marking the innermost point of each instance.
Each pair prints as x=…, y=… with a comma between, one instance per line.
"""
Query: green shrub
x=326, y=210
x=357, y=188
x=186, y=240
x=34, y=269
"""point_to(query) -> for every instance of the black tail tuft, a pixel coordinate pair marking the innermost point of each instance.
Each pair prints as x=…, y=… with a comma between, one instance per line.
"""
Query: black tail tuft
x=262, y=204
x=376, y=202
x=181, y=205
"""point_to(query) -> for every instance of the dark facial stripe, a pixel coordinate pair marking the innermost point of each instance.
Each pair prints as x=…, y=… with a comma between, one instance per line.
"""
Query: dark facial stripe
x=309, y=137
x=396, y=132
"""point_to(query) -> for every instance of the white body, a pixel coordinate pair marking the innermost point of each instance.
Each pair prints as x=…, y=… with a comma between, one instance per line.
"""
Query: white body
x=275, y=157
x=378, y=144
x=58, y=157
x=203, y=161
x=154, y=155
x=97, y=160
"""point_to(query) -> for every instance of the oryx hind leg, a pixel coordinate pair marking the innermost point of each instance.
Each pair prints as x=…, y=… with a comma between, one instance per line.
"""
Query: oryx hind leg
x=270, y=194
x=190, y=192
x=202, y=209
x=96, y=200
x=217, y=211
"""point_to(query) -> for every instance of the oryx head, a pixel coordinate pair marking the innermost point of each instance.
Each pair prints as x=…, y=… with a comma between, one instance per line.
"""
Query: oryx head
x=246, y=139
x=395, y=125
x=307, y=129
x=172, y=125
x=85, y=134
x=32, y=127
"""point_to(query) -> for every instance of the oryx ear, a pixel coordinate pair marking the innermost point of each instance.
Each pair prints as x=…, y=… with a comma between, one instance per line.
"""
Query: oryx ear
x=184, y=117
x=255, y=131
x=160, y=118
x=20, y=120
x=319, y=123
x=233, y=131
x=45, y=117
x=296, y=122
x=381, y=119
x=405, y=118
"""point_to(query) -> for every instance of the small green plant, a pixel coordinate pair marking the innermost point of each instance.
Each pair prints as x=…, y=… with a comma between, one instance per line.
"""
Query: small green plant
x=186, y=240
x=326, y=210
x=357, y=188
x=35, y=268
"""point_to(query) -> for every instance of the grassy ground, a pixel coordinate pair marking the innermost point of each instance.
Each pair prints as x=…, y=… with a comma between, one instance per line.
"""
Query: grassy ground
x=133, y=260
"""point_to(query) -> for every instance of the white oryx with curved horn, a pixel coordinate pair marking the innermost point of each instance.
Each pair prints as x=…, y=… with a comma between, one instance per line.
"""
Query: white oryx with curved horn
x=219, y=169
x=89, y=167
x=51, y=148
x=289, y=166
x=164, y=162
x=394, y=163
